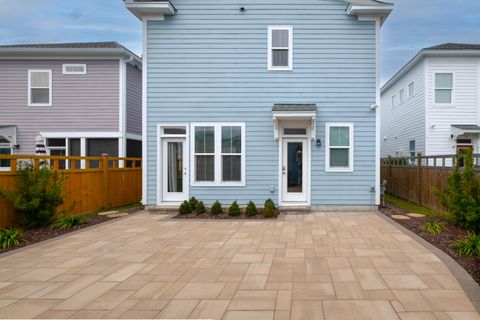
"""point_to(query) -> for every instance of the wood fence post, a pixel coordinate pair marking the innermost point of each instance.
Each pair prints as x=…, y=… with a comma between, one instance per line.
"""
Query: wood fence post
x=389, y=179
x=419, y=178
x=105, y=181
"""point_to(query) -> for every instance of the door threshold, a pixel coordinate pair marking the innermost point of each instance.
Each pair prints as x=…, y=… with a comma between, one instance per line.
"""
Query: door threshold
x=294, y=208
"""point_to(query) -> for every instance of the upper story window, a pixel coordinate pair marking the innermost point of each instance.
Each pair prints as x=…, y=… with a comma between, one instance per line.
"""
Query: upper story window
x=339, y=150
x=394, y=101
x=401, y=95
x=443, y=88
x=219, y=154
x=280, y=48
x=411, y=89
x=39, y=87
x=74, y=69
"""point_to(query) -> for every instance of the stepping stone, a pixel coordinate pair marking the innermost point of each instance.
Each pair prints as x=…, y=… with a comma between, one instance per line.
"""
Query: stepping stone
x=415, y=215
x=118, y=215
x=106, y=213
x=400, y=217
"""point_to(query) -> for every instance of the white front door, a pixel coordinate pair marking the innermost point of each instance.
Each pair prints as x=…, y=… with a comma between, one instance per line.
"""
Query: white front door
x=294, y=170
x=174, y=170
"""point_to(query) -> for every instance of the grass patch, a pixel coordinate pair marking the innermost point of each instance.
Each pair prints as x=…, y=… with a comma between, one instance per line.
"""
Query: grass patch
x=412, y=207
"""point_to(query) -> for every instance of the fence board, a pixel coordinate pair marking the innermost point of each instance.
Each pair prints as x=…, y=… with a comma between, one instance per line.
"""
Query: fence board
x=85, y=190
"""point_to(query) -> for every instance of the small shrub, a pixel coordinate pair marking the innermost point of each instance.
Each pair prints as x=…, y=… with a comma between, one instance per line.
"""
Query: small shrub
x=185, y=208
x=234, y=209
x=69, y=222
x=269, y=209
x=433, y=227
x=470, y=246
x=251, y=209
x=10, y=238
x=216, y=208
x=193, y=203
x=200, y=208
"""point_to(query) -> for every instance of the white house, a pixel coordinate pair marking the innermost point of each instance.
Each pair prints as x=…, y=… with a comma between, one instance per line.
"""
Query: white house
x=432, y=105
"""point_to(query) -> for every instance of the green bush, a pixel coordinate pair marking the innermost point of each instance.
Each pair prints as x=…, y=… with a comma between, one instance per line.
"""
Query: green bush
x=461, y=196
x=200, y=208
x=251, y=209
x=38, y=195
x=269, y=209
x=234, y=209
x=470, y=246
x=433, y=227
x=10, y=238
x=216, y=208
x=193, y=203
x=69, y=222
x=185, y=208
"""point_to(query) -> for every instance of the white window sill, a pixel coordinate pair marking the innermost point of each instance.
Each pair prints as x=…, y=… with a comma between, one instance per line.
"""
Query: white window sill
x=280, y=69
x=39, y=105
x=345, y=170
x=221, y=184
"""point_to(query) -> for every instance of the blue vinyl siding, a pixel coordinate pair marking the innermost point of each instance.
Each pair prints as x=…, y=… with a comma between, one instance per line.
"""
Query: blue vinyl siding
x=209, y=63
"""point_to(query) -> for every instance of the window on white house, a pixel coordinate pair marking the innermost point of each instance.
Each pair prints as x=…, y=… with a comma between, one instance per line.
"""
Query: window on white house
x=402, y=95
x=219, y=156
x=5, y=163
x=394, y=101
x=280, y=48
x=411, y=89
x=74, y=69
x=443, y=88
x=40, y=87
x=412, y=149
x=339, y=147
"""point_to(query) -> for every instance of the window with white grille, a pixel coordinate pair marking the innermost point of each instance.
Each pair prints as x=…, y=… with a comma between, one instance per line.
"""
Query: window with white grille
x=39, y=87
x=74, y=69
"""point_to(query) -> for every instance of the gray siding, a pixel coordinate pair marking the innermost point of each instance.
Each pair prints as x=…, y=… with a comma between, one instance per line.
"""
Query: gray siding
x=134, y=100
x=209, y=63
x=79, y=102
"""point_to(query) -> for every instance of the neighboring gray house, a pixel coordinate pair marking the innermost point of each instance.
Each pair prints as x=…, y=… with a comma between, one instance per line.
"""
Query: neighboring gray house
x=84, y=99
x=258, y=99
x=432, y=105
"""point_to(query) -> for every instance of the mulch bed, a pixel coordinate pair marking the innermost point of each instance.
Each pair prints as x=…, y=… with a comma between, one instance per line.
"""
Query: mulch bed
x=35, y=235
x=224, y=216
x=443, y=241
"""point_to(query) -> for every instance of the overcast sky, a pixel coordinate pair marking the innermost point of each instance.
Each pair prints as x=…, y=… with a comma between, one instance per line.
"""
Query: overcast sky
x=413, y=25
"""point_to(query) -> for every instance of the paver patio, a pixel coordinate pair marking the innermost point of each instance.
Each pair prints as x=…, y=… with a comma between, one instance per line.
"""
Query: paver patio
x=315, y=266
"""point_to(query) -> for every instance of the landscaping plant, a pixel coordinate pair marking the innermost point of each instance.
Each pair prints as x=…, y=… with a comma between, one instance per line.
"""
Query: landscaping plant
x=200, y=208
x=69, y=222
x=251, y=209
x=10, y=238
x=38, y=194
x=234, y=209
x=470, y=246
x=193, y=203
x=433, y=227
x=269, y=208
x=461, y=197
x=185, y=208
x=216, y=208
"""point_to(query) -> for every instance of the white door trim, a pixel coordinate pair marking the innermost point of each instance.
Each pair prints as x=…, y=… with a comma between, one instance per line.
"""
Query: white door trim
x=175, y=197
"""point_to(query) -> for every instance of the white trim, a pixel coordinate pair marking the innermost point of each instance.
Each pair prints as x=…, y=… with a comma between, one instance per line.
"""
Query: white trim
x=83, y=151
x=434, y=82
x=144, y=111
x=378, y=117
x=350, y=168
x=412, y=86
x=66, y=65
x=30, y=104
x=134, y=136
x=217, y=154
x=77, y=134
x=290, y=48
x=6, y=146
x=122, y=118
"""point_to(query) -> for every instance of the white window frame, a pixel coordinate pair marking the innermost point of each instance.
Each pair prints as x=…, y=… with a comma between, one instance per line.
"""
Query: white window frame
x=328, y=168
x=271, y=48
x=394, y=99
x=452, y=89
x=413, y=153
x=411, y=89
x=401, y=96
x=30, y=104
x=6, y=146
x=218, y=155
x=66, y=65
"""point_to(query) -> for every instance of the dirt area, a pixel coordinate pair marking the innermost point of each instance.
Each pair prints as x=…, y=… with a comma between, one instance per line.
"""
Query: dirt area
x=224, y=216
x=444, y=241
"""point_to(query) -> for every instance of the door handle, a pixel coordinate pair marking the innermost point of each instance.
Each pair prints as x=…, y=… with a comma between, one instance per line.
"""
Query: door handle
x=284, y=170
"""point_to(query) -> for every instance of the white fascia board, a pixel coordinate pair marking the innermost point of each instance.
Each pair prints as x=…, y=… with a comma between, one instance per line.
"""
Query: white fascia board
x=370, y=12
x=80, y=134
x=150, y=8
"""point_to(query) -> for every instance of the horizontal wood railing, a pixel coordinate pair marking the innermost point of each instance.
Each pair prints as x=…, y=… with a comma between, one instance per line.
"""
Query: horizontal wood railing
x=91, y=183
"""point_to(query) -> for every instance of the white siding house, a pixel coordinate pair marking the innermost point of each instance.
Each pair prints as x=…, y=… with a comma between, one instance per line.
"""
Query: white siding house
x=440, y=109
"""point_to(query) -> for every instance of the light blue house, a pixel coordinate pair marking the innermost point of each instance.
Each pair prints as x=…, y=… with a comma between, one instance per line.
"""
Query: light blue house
x=249, y=100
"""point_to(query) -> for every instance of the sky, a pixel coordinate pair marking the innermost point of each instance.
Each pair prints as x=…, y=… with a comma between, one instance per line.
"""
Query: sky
x=413, y=25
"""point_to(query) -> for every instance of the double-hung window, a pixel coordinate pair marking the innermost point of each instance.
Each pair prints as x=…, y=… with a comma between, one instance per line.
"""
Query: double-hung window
x=5, y=149
x=443, y=88
x=339, y=150
x=401, y=96
x=219, y=154
x=40, y=87
x=411, y=89
x=280, y=48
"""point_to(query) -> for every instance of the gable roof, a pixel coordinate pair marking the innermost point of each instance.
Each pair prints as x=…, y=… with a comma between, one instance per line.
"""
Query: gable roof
x=441, y=50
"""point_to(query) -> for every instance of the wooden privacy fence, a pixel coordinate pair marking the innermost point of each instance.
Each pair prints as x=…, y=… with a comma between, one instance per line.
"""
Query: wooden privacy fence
x=91, y=183
x=414, y=179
